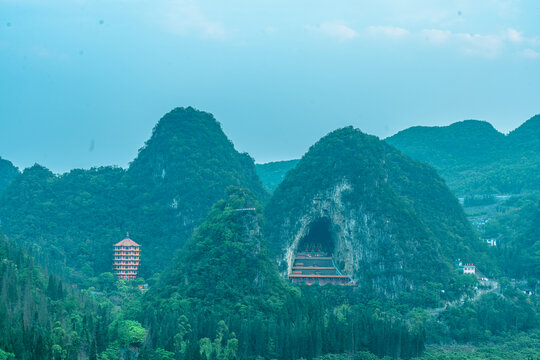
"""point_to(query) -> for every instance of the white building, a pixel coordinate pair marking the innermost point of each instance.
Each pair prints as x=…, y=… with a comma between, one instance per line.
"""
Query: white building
x=469, y=269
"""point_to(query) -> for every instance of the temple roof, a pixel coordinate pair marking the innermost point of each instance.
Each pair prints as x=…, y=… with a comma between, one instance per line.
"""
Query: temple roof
x=127, y=242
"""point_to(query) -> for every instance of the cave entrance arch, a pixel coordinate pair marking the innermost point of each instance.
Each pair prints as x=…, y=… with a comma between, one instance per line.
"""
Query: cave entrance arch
x=319, y=238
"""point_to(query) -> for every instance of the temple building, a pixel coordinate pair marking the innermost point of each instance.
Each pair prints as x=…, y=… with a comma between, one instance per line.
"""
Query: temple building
x=313, y=262
x=126, y=259
x=317, y=268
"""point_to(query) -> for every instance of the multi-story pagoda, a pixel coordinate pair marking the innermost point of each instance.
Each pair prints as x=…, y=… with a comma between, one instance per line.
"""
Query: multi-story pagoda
x=126, y=259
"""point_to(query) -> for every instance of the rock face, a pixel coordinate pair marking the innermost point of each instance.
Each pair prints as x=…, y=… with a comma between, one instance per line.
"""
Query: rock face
x=385, y=216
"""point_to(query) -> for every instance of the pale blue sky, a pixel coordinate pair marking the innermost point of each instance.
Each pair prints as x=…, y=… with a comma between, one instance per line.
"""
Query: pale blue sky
x=83, y=82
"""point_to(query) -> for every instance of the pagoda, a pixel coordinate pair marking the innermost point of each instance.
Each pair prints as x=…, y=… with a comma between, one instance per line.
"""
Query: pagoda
x=126, y=259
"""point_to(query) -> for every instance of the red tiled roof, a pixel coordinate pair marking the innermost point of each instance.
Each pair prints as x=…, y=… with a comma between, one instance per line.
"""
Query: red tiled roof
x=127, y=242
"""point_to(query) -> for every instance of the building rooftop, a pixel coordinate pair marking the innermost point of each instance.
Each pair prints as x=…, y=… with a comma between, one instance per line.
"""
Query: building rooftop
x=127, y=242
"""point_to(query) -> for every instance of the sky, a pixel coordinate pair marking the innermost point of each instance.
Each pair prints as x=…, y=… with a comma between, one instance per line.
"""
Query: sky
x=82, y=83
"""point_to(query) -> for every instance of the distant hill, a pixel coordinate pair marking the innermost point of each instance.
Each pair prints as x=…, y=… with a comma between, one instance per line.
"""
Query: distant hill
x=272, y=173
x=8, y=172
x=74, y=219
x=392, y=222
x=474, y=158
x=181, y=171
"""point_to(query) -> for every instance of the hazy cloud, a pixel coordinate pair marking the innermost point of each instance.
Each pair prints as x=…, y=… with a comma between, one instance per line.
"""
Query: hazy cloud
x=184, y=17
x=480, y=45
x=387, y=31
x=435, y=35
x=514, y=35
x=335, y=30
x=488, y=45
x=531, y=54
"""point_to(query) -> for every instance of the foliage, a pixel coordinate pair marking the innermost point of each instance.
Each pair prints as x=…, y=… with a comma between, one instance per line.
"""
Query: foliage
x=520, y=346
x=514, y=225
x=224, y=299
x=492, y=314
x=5, y=355
x=406, y=203
x=74, y=219
x=43, y=319
x=8, y=172
x=477, y=200
x=273, y=173
x=474, y=158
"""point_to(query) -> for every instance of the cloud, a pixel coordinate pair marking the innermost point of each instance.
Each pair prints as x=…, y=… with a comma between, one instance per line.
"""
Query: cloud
x=270, y=30
x=531, y=54
x=436, y=36
x=47, y=53
x=184, y=17
x=486, y=45
x=479, y=45
x=514, y=35
x=335, y=30
x=387, y=31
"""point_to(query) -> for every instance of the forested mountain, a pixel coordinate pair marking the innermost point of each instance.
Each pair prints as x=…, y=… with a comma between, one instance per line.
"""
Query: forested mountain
x=68, y=220
x=74, y=219
x=181, y=171
x=7, y=173
x=390, y=222
x=394, y=224
x=474, y=158
x=224, y=299
x=273, y=173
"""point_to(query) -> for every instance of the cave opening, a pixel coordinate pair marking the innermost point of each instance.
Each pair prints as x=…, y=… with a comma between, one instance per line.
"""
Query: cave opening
x=319, y=238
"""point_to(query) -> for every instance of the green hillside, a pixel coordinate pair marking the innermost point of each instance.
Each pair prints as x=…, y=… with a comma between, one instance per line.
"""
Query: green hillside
x=7, y=173
x=224, y=299
x=474, y=158
x=273, y=173
x=73, y=219
x=395, y=225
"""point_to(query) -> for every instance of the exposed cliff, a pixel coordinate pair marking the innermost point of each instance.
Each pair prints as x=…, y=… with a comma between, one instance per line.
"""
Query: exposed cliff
x=392, y=222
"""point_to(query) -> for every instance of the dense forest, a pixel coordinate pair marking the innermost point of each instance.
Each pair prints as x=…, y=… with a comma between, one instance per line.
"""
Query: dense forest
x=7, y=173
x=515, y=227
x=273, y=173
x=417, y=229
x=74, y=218
x=474, y=158
x=211, y=235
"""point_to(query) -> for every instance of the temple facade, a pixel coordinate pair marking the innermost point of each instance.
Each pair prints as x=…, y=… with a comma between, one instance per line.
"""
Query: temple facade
x=126, y=259
x=317, y=268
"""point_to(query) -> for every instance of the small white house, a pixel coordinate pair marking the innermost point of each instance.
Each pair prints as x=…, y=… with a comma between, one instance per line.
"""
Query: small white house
x=469, y=269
